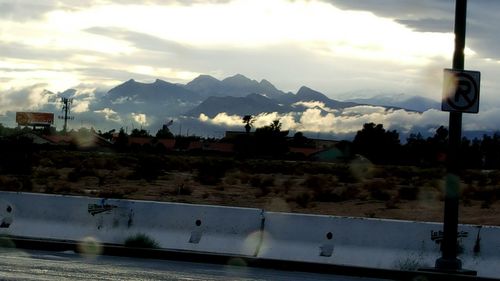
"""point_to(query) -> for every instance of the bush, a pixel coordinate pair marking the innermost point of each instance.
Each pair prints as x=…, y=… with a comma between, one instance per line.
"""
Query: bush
x=79, y=172
x=287, y=184
x=378, y=189
x=303, y=199
x=315, y=181
x=141, y=241
x=149, y=167
x=408, y=193
x=184, y=189
x=211, y=172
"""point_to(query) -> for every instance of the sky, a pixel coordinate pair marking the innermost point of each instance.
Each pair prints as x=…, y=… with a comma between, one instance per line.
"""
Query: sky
x=342, y=48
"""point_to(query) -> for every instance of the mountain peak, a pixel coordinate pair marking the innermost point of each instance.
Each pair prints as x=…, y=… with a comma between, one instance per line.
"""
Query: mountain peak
x=238, y=78
x=266, y=84
x=204, y=77
x=306, y=91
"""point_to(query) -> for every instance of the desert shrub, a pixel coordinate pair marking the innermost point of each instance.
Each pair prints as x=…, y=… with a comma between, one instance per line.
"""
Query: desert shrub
x=26, y=184
x=255, y=181
x=10, y=184
x=263, y=183
x=179, y=163
x=303, y=199
x=483, y=193
x=325, y=188
x=101, y=162
x=211, y=172
x=79, y=172
x=379, y=194
x=46, y=173
x=259, y=181
x=231, y=179
x=392, y=203
x=267, y=181
x=494, y=177
x=184, y=189
x=408, y=192
x=477, y=177
x=315, y=181
x=141, y=241
x=111, y=193
x=148, y=167
x=6, y=242
x=244, y=178
x=378, y=189
x=287, y=185
x=45, y=162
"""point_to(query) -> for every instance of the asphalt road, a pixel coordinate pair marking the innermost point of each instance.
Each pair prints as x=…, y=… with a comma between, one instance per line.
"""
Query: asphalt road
x=41, y=265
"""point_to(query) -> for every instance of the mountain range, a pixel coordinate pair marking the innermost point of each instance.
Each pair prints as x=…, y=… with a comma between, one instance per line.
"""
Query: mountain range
x=194, y=106
x=235, y=95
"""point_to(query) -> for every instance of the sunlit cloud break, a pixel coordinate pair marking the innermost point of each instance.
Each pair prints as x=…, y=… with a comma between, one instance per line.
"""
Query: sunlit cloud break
x=347, y=122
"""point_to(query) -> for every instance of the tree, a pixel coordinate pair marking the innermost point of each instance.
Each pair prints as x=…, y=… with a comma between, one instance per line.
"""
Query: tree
x=271, y=140
x=377, y=144
x=248, y=120
x=121, y=142
x=139, y=133
x=299, y=140
x=164, y=133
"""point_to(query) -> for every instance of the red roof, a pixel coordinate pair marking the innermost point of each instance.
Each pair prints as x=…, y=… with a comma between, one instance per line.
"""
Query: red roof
x=139, y=140
x=57, y=139
x=195, y=145
x=219, y=146
x=306, y=151
x=168, y=143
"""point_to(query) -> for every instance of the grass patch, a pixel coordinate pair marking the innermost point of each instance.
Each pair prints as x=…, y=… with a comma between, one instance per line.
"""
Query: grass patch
x=141, y=240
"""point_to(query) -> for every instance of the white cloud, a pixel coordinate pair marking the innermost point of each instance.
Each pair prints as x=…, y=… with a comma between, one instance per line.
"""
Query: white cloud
x=140, y=118
x=363, y=109
x=81, y=106
x=109, y=114
x=314, y=120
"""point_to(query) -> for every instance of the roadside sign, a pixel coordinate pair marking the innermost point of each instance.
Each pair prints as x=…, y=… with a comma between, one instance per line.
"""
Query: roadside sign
x=461, y=91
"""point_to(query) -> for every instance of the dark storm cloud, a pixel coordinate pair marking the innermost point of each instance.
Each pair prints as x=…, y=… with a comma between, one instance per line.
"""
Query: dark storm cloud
x=400, y=9
x=23, y=51
x=305, y=66
x=24, y=10
x=140, y=40
x=438, y=16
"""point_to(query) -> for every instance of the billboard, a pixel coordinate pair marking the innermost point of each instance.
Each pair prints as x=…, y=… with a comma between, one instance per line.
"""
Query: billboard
x=34, y=118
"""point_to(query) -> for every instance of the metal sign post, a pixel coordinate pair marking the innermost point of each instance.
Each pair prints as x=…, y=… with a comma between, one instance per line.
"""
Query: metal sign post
x=449, y=261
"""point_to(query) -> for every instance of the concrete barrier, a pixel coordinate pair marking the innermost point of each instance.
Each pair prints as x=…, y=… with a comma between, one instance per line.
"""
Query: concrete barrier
x=245, y=232
x=213, y=229
x=375, y=243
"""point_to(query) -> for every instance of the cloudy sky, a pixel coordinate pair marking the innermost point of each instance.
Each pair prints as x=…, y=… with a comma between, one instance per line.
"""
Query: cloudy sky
x=342, y=48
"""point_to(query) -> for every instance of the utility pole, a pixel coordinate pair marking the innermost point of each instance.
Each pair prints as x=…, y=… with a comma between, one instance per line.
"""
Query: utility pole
x=66, y=108
x=449, y=261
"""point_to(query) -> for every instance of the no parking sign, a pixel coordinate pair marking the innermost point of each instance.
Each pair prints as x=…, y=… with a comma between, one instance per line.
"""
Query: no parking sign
x=461, y=91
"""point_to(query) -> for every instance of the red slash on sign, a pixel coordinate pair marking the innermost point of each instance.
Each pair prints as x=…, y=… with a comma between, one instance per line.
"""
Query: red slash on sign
x=461, y=91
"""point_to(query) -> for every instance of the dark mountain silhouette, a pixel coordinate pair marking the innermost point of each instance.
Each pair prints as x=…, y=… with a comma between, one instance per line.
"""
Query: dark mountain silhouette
x=251, y=104
x=306, y=94
x=235, y=95
x=206, y=85
x=235, y=86
x=158, y=99
x=414, y=103
x=157, y=91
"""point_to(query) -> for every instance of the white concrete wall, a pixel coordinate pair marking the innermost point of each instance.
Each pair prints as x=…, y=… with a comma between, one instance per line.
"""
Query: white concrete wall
x=174, y=226
x=376, y=243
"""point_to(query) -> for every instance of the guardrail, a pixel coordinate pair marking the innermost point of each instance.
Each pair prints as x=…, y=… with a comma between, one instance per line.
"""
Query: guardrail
x=246, y=232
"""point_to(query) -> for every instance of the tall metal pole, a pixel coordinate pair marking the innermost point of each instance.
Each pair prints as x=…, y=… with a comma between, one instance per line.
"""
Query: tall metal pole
x=449, y=260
